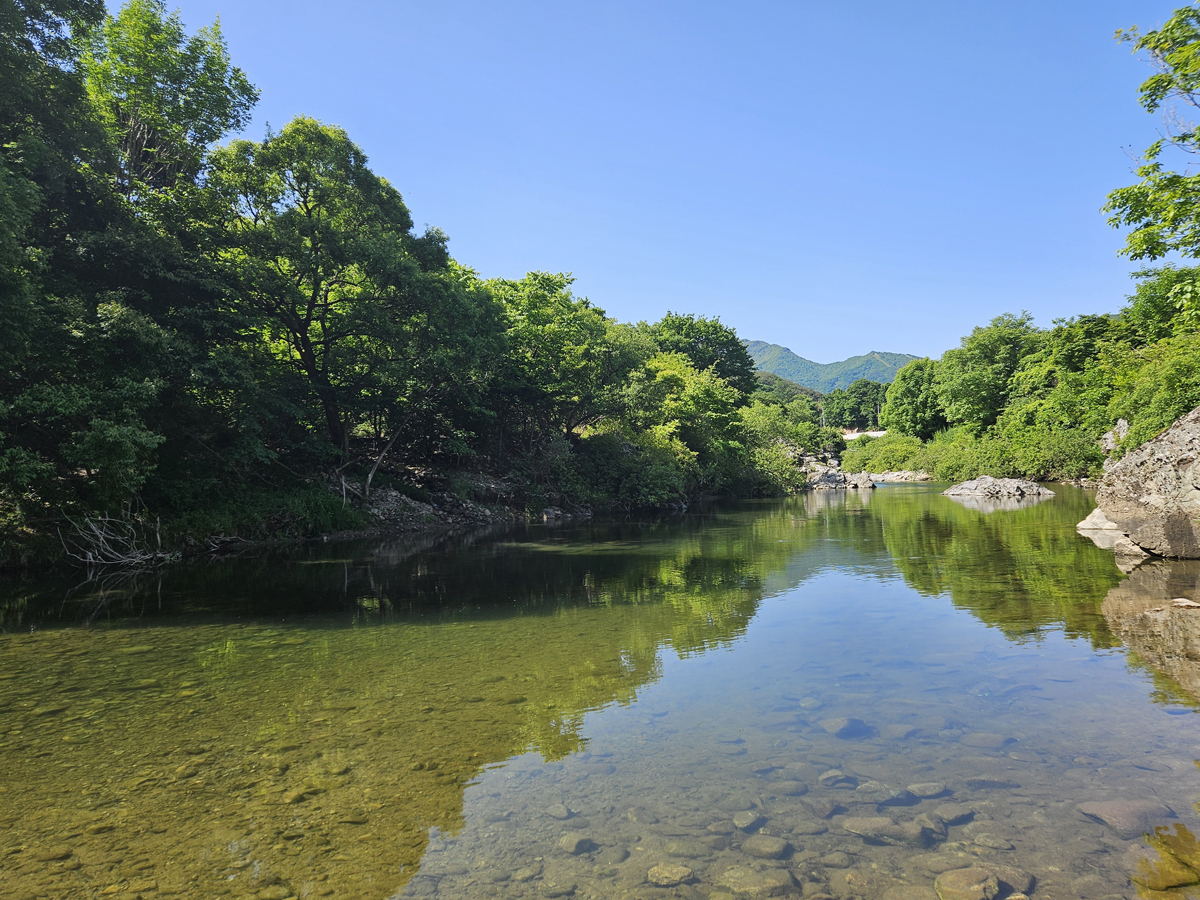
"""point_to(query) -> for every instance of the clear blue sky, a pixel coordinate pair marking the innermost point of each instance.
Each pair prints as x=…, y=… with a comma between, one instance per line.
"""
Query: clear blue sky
x=834, y=177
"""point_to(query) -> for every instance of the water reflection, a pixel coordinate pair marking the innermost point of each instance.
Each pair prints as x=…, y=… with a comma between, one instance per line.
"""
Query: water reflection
x=322, y=721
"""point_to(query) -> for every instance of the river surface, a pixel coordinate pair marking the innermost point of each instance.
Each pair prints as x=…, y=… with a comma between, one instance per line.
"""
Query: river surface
x=833, y=695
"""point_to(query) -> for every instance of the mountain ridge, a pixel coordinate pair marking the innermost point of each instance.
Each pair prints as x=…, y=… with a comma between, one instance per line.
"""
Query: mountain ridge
x=876, y=365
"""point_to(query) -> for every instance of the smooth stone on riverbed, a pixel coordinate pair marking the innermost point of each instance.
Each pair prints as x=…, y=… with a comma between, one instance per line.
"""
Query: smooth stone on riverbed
x=1019, y=881
x=575, y=844
x=926, y=790
x=992, y=841
x=845, y=728
x=612, y=856
x=668, y=875
x=753, y=883
x=559, y=811
x=974, y=883
x=764, y=846
x=884, y=830
x=686, y=849
x=748, y=821
x=984, y=740
x=1128, y=818
x=789, y=788
x=836, y=860
x=52, y=854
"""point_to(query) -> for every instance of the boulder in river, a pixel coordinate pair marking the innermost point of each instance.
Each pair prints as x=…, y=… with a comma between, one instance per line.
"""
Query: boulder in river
x=826, y=480
x=1128, y=818
x=861, y=480
x=975, y=883
x=1151, y=496
x=988, y=494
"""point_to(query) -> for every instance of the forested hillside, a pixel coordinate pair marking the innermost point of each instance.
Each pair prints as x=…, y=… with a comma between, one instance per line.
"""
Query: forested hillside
x=825, y=377
x=204, y=337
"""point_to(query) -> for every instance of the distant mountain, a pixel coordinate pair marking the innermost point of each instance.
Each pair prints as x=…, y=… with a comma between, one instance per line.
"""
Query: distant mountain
x=826, y=377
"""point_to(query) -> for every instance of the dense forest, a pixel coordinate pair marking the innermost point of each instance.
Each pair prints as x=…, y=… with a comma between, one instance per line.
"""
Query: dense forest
x=207, y=335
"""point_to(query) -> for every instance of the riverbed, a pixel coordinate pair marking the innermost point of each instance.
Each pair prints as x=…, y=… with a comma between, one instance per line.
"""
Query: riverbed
x=842, y=694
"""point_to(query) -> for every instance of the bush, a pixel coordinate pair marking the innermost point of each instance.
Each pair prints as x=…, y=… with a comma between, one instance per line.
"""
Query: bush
x=958, y=454
x=889, y=453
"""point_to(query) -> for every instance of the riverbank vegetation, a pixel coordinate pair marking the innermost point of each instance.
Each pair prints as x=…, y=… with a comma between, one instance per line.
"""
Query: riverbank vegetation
x=205, y=336
x=1014, y=399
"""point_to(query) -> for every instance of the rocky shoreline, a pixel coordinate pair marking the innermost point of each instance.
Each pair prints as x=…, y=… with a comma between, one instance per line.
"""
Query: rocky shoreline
x=1148, y=503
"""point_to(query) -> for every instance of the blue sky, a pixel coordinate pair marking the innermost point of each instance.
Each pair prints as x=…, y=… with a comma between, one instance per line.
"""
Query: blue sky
x=834, y=177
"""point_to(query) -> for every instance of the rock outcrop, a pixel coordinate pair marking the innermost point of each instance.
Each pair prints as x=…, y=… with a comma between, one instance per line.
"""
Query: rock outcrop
x=827, y=478
x=985, y=486
x=902, y=476
x=1151, y=496
x=988, y=494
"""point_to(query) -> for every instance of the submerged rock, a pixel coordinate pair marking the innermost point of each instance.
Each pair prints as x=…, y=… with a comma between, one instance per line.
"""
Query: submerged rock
x=753, y=883
x=764, y=846
x=1152, y=494
x=1128, y=818
x=922, y=832
x=669, y=875
x=975, y=883
x=575, y=844
x=845, y=728
x=1158, y=871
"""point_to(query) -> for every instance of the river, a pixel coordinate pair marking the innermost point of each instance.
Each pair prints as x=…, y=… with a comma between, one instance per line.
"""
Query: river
x=832, y=695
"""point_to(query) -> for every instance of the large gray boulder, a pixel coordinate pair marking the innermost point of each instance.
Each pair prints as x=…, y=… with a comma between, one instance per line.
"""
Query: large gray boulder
x=987, y=487
x=988, y=494
x=1152, y=495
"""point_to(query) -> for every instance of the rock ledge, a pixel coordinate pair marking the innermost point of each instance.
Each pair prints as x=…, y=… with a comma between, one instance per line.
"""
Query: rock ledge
x=989, y=488
x=1149, y=500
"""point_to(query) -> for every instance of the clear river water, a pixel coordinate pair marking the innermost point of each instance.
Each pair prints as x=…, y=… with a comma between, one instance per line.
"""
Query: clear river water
x=887, y=695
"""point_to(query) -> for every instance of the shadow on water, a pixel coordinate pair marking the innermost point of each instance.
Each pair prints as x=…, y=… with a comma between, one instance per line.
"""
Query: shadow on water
x=294, y=721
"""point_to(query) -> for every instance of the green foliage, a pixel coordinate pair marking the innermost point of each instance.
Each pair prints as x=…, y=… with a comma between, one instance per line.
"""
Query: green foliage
x=775, y=389
x=1163, y=209
x=972, y=380
x=1158, y=385
x=959, y=453
x=163, y=96
x=890, y=453
x=708, y=344
x=858, y=406
x=911, y=405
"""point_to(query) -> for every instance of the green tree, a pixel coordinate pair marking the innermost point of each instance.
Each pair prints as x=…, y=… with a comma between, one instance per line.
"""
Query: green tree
x=674, y=400
x=912, y=406
x=566, y=364
x=972, y=379
x=708, y=344
x=1162, y=295
x=1163, y=209
x=322, y=253
x=164, y=97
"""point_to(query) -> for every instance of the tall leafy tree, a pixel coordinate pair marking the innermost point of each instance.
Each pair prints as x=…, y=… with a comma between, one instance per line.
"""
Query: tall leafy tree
x=912, y=406
x=322, y=252
x=708, y=344
x=567, y=361
x=163, y=95
x=972, y=379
